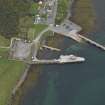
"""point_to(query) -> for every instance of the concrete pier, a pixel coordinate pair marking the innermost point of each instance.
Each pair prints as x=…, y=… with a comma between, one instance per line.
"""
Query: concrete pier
x=71, y=34
x=75, y=36
x=92, y=42
x=70, y=29
x=54, y=61
x=51, y=48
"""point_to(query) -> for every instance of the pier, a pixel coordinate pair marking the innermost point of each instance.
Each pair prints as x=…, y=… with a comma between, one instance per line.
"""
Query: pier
x=75, y=36
x=53, y=61
x=51, y=48
x=71, y=34
x=92, y=42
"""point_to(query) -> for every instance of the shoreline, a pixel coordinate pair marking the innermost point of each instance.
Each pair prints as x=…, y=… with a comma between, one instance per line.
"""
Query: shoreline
x=19, y=84
x=22, y=80
x=27, y=72
x=23, y=85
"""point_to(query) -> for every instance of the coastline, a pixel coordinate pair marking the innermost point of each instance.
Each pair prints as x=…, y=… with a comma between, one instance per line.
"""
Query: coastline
x=26, y=84
x=19, y=84
x=37, y=69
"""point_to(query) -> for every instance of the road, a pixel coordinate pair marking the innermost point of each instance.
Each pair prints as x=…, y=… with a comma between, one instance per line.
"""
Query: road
x=51, y=17
x=36, y=43
x=71, y=34
x=50, y=20
x=68, y=32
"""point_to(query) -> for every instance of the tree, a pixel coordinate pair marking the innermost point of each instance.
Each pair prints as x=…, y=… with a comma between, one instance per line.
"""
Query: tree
x=10, y=13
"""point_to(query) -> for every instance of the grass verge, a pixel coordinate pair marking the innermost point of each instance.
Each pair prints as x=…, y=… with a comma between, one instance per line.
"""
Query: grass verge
x=4, y=41
x=4, y=52
x=35, y=30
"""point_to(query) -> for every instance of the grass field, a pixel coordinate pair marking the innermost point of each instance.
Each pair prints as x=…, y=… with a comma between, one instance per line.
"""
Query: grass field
x=35, y=30
x=10, y=72
x=4, y=41
x=4, y=52
x=83, y=14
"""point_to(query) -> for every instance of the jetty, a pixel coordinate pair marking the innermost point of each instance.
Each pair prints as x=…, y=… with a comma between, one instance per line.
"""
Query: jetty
x=51, y=48
x=71, y=34
x=92, y=42
x=53, y=61
x=75, y=36
x=61, y=60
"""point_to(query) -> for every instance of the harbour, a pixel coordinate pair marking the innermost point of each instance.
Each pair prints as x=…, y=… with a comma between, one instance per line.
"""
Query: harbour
x=75, y=84
x=92, y=42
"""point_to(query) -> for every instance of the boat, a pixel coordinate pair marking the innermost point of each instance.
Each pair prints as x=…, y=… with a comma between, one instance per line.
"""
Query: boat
x=70, y=58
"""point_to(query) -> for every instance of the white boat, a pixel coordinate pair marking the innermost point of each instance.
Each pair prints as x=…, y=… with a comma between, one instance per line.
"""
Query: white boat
x=70, y=58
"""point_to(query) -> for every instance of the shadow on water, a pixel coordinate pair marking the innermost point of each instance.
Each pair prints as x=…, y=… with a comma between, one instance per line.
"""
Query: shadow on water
x=74, y=84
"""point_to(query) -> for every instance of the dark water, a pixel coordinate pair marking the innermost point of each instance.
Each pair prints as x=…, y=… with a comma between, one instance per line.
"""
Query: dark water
x=74, y=84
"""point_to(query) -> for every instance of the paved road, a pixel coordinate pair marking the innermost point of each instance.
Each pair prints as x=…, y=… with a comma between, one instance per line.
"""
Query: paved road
x=61, y=29
x=36, y=43
x=52, y=16
x=71, y=34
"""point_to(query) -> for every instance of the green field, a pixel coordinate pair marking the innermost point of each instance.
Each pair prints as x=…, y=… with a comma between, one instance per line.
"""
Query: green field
x=84, y=14
x=4, y=52
x=10, y=72
x=4, y=41
x=12, y=11
x=35, y=30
